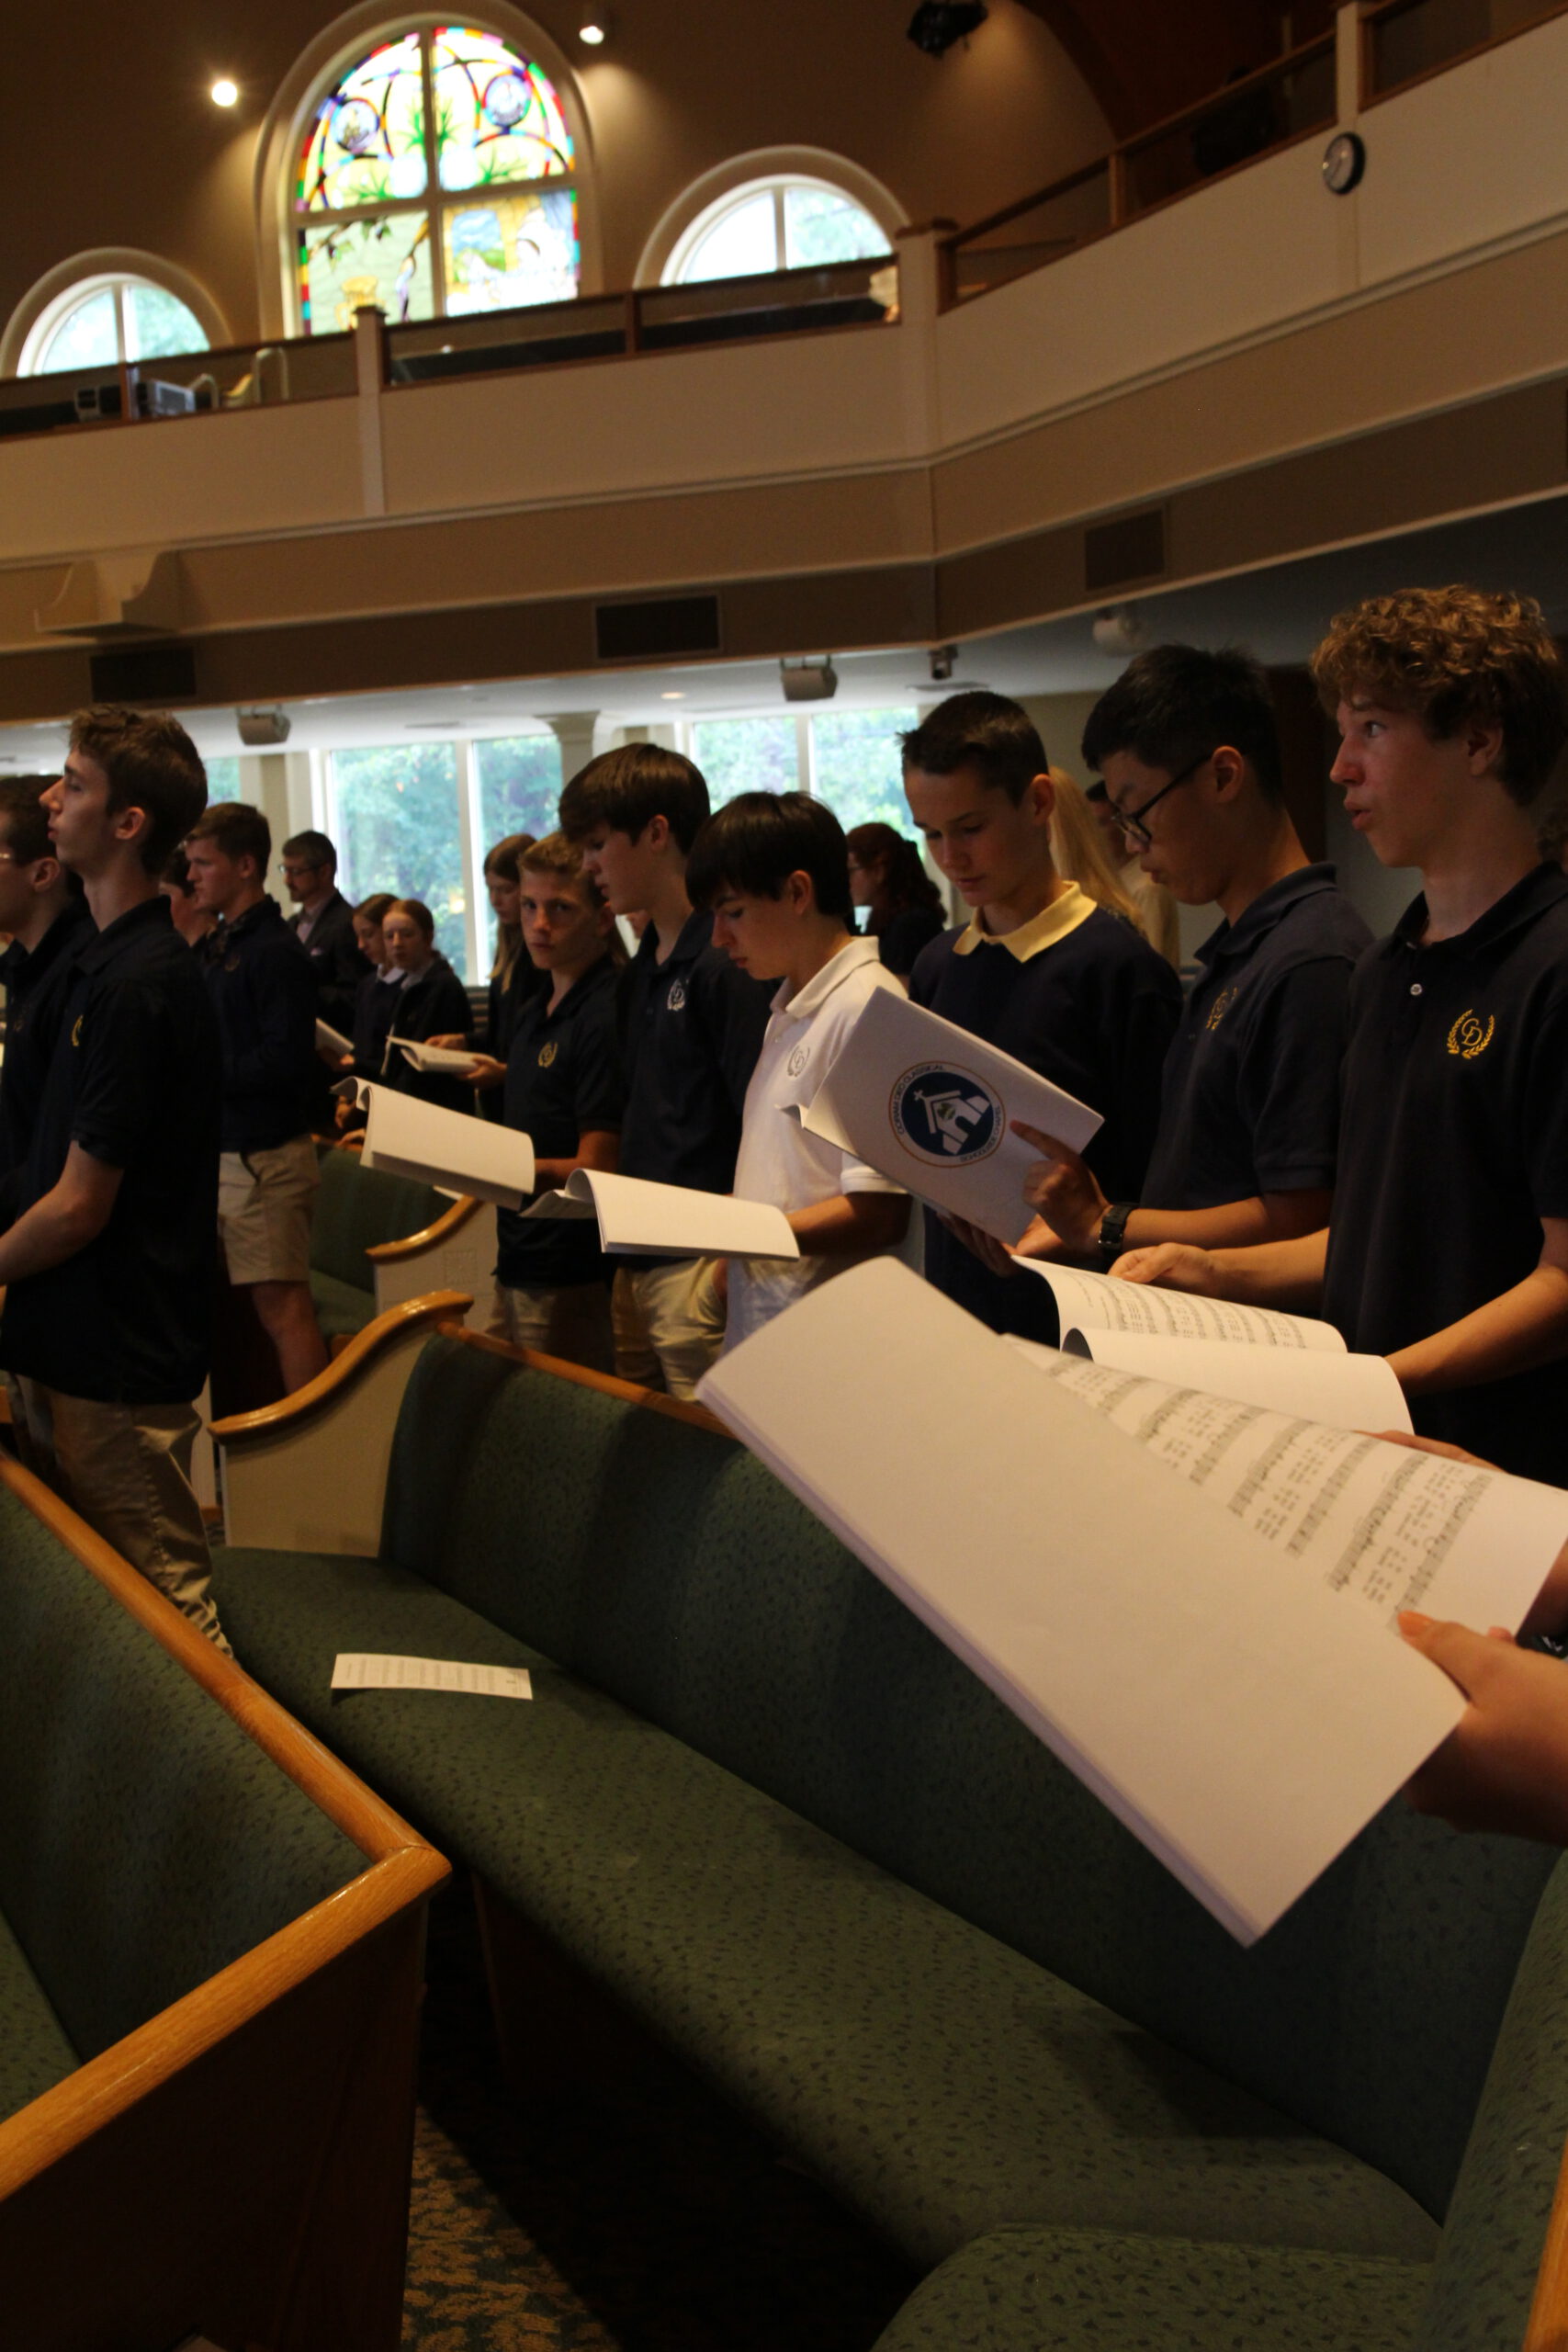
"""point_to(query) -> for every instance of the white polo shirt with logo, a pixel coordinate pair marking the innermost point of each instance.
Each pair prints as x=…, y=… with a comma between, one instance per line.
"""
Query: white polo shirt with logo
x=779, y=1160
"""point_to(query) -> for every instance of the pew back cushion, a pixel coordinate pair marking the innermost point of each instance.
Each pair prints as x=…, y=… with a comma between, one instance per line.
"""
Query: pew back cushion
x=665, y=1566
x=145, y=1840
x=356, y=1207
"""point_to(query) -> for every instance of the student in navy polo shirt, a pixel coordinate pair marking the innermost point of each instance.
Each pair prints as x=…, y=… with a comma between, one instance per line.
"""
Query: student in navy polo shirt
x=1040, y=970
x=1249, y=1115
x=108, y=1264
x=1447, y=1248
x=563, y=1089
x=42, y=908
x=264, y=992
x=691, y=1029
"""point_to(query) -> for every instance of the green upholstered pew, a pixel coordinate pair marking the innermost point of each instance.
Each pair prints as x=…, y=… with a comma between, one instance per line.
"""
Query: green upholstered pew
x=211, y=1943
x=757, y=1803
x=377, y=1239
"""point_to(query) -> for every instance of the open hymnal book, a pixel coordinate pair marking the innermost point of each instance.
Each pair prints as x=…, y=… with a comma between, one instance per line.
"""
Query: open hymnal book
x=447, y=1148
x=332, y=1041
x=1222, y=1674
x=644, y=1220
x=433, y=1057
x=924, y=1102
x=1254, y=1353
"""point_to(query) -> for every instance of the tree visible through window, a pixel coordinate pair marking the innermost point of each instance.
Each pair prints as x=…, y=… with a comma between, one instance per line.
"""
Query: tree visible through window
x=496, y=231
x=393, y=815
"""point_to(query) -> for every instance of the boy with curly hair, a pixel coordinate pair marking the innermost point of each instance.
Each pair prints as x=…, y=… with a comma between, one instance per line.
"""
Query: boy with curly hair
x=1448, y=1246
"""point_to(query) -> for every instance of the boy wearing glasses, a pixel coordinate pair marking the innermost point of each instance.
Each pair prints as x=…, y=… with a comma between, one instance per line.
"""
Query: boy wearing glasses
x=1040, y=970
x=1186, y=743
x=1447, y=1248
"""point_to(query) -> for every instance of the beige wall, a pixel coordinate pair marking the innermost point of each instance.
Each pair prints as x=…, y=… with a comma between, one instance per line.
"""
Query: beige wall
x=132, y=152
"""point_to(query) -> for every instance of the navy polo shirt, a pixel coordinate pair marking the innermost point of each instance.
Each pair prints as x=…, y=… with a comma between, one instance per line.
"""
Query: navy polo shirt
x=1091, y=1007
x=692, y=1029
x=563, y=1078
x=36, y=981
x=1250, y=1093
x=136, y=1081
x=1453, y=1147
x=264, y=993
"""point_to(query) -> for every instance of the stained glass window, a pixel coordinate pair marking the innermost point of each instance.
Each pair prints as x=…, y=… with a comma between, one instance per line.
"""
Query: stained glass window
x=493, y=228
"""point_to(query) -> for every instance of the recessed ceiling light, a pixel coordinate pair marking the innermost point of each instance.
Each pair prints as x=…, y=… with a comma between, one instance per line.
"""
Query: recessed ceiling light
x=225, y=93
x=672, y=697
x=594, y=28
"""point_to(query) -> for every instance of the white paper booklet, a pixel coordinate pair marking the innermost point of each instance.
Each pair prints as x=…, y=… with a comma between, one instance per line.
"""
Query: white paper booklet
x=921, y=1101
x=332, y=1041
x=1257, y=1354
x=644, y=1220
x=433, y=1057
x=444, y=1148
x=1222, y=1692
x=384, y=1670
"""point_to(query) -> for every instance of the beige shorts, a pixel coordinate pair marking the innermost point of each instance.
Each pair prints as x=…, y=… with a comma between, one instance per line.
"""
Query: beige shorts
x=265, y=1200
x=668, y=1324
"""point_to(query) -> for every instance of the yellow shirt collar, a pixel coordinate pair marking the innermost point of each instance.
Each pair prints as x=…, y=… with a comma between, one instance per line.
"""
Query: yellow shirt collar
x=1044, y=930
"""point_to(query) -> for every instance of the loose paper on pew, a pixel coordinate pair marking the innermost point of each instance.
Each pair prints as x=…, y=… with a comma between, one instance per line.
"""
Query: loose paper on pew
x=332, y=1041
x=444, y=1148
x=1291, y=1363
x=1222, y=1694
x=928, y=1104
x=645, y=1220
x=370, y=1670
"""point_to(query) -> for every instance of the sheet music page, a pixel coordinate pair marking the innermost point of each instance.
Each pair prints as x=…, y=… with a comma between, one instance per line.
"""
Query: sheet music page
x=924, y=1102
x=332, y=1039
x=1396, y=1528
x=1095, y=1302
x=446, y=1147
x=1226, y=1705
x=644, y=1219
x=384, y=1670
x=1350, y=1392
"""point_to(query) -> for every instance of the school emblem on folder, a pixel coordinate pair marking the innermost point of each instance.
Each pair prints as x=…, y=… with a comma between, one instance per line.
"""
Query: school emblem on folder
x=942, y=1113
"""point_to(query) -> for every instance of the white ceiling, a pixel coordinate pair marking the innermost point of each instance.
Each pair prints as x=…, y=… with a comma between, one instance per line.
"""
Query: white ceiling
x=1277, y=613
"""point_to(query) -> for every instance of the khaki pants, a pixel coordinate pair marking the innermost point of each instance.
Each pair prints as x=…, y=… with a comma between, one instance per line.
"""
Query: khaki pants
x=126, y=1469
x=668, y=1324
x=572, y=1322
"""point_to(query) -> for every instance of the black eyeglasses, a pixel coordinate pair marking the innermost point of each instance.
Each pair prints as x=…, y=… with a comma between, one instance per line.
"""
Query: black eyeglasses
x=1130, y=821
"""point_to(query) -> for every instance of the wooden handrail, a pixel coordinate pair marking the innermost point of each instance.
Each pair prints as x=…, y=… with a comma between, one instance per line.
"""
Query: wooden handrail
x=362, y=1350
x=1548, y=2326
x=411, y=1245
x=1116, y=160
x=697, y=1417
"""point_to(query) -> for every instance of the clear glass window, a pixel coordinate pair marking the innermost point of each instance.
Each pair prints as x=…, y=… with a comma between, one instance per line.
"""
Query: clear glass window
x=393, y=815
x=746, y=756
x=857, y=768
x=106, y=320
x=775, y=224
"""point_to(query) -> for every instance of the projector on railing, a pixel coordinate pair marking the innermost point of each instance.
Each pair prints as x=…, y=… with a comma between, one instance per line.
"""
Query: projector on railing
x=809, y=681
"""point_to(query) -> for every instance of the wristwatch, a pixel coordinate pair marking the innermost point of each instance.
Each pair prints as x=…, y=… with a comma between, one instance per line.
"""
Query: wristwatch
x=1112, y=1226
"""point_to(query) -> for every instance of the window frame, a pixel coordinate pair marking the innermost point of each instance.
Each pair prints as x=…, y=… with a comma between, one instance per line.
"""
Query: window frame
x=48, y=303
x=683, y=220
x=776, y=184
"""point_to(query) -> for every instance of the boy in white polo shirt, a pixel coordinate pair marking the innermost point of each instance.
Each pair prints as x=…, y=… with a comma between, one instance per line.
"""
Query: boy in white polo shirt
x=773, y=868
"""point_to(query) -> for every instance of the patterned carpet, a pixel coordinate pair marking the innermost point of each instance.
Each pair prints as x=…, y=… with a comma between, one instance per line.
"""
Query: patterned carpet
x=644, y=2219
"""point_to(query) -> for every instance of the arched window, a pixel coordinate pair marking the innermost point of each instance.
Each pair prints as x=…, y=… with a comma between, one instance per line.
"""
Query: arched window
x=774, y=224
x=493, y=228
x=108, y=317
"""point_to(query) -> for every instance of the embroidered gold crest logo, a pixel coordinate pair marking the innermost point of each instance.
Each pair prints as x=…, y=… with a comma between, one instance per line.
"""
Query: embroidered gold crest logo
x=1220, y=1007
x=76, y=1029
x=1468, y=1037
x=547, y=1054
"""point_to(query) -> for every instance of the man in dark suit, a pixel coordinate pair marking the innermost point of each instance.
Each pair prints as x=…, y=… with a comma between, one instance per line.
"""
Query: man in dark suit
x=324, y=926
